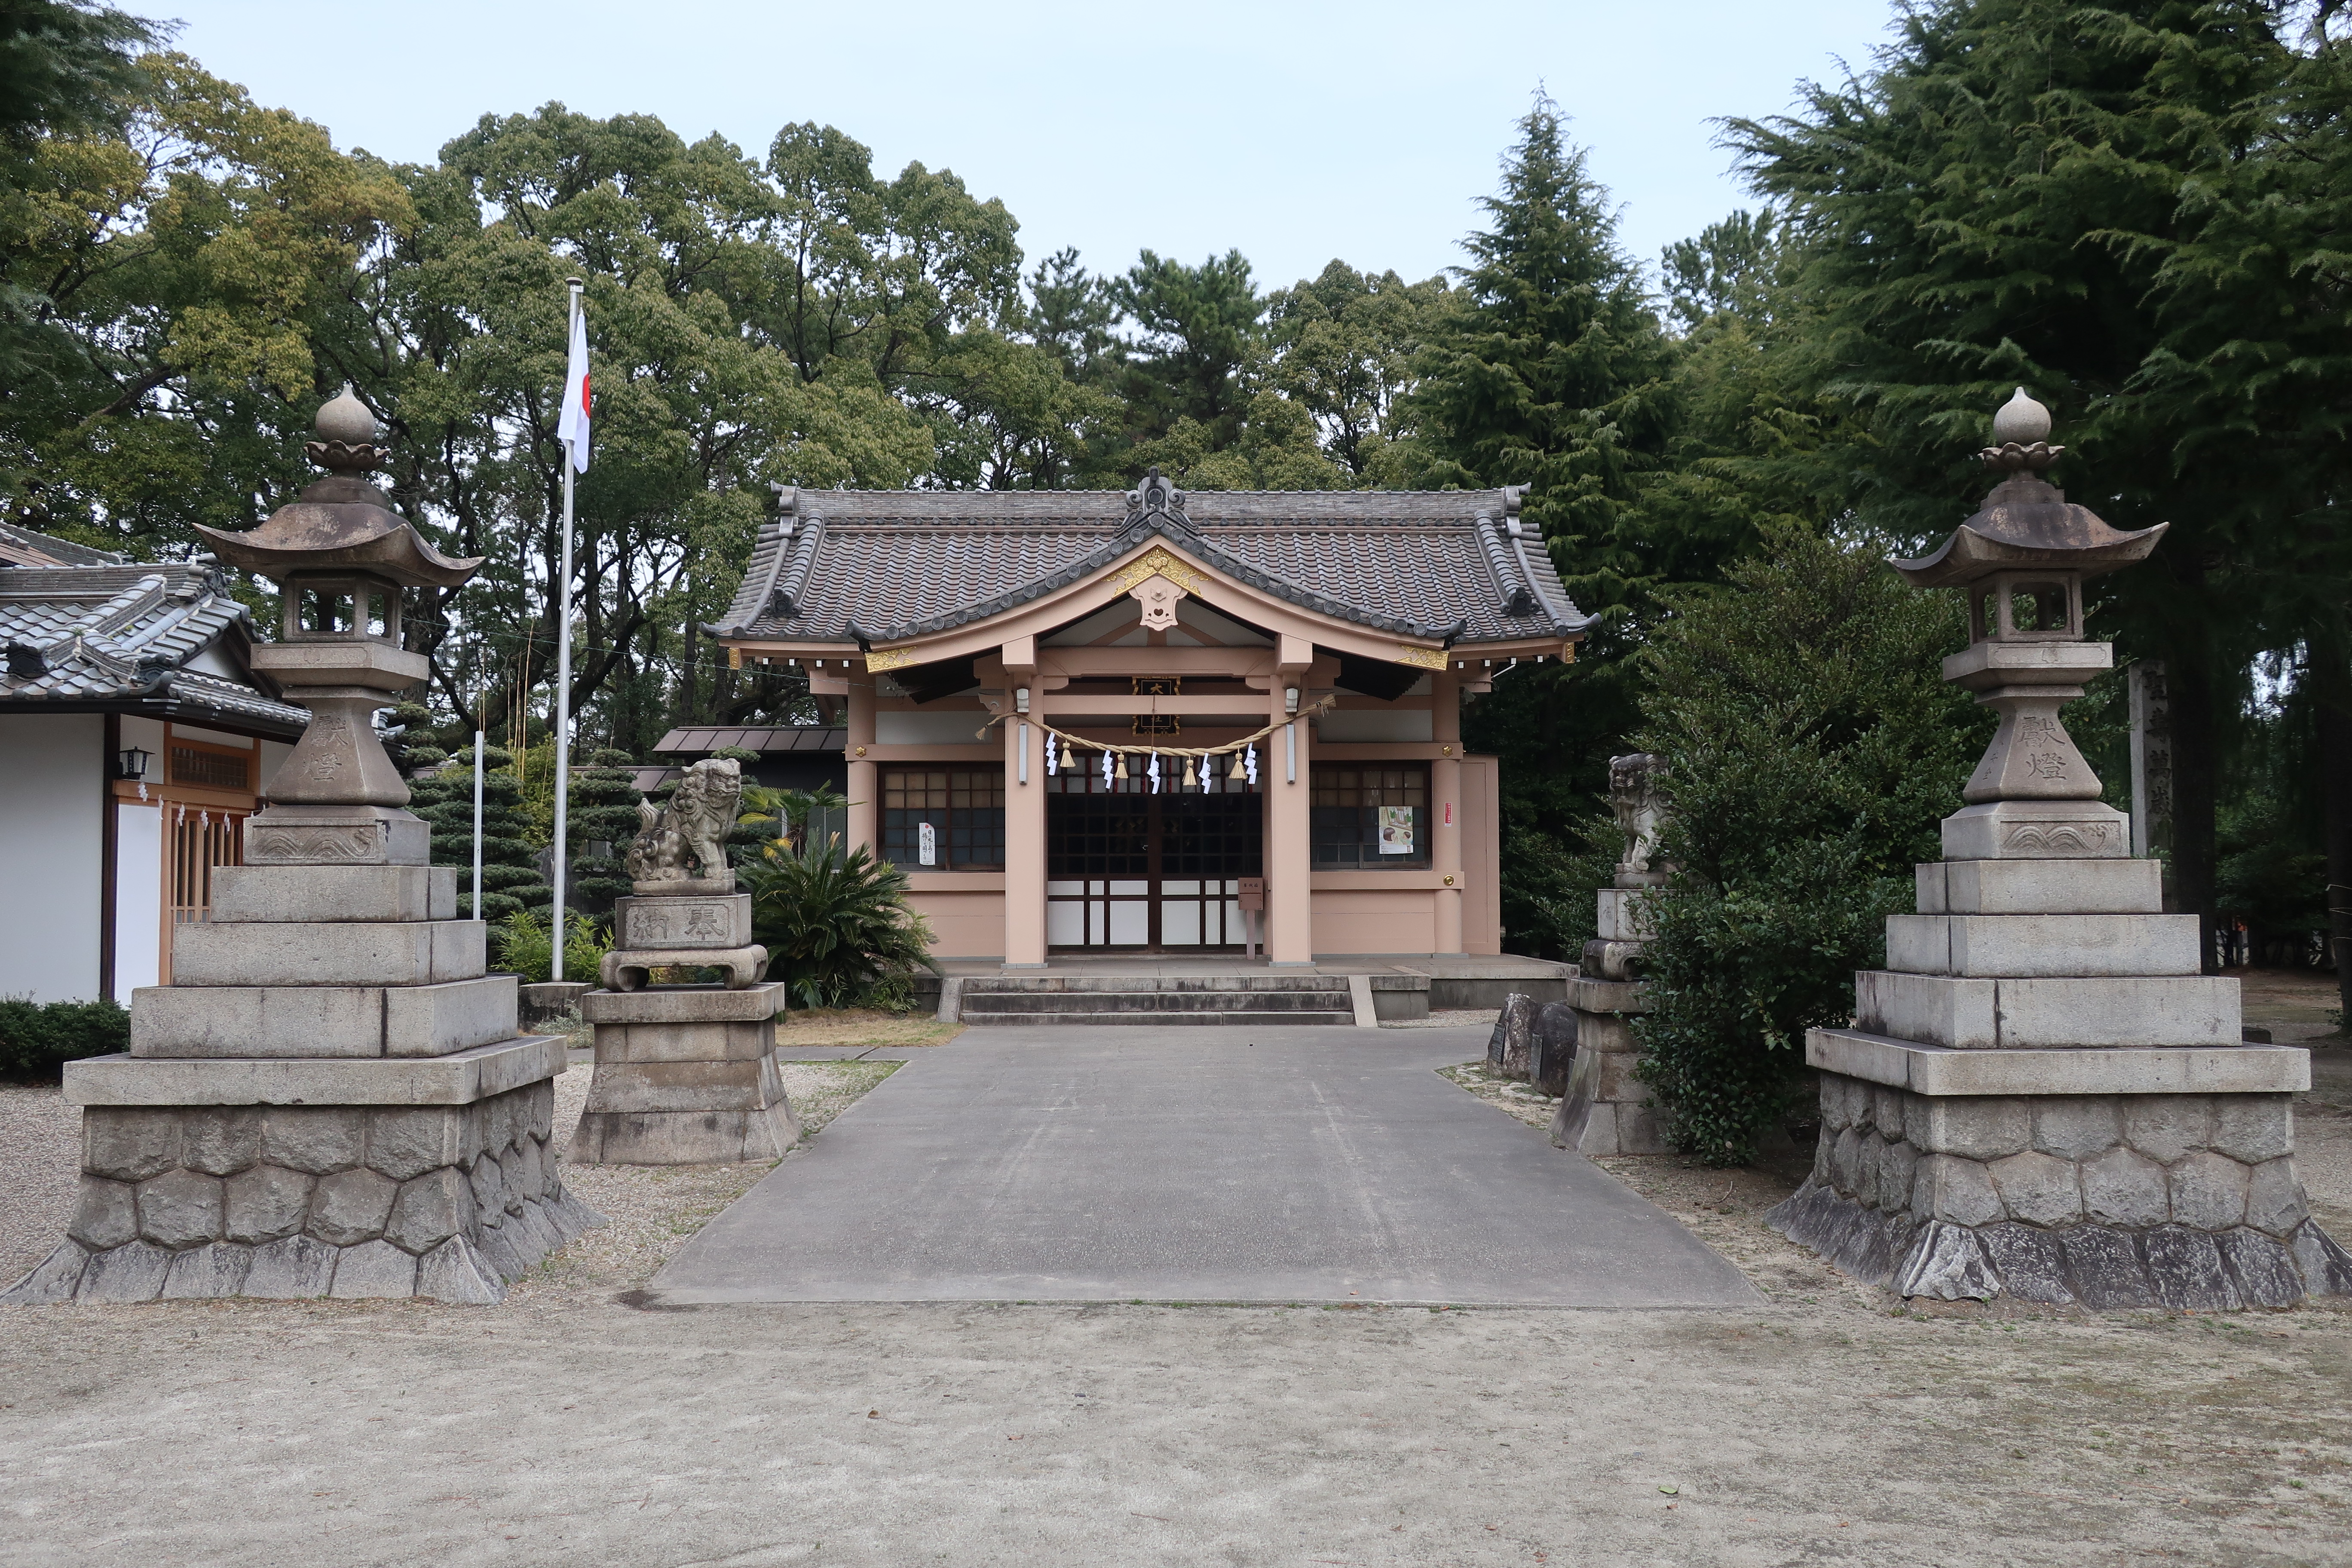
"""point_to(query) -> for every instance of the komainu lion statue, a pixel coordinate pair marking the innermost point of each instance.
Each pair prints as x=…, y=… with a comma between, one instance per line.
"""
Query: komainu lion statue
x=675, y=840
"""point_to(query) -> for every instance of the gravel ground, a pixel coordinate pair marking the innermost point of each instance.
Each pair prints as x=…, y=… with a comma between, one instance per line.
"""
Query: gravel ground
x=1826, y=1427
x=1449, y=1018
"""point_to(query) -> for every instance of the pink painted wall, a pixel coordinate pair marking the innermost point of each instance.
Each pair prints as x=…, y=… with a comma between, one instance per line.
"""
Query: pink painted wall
x=1402, y=920
x=964, y=925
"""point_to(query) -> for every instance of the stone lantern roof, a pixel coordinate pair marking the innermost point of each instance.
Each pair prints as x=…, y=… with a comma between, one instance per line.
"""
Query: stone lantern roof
x=341, y=520
x=2027, y=521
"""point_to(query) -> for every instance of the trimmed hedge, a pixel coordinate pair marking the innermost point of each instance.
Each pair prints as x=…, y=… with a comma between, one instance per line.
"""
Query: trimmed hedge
x=37, y=1039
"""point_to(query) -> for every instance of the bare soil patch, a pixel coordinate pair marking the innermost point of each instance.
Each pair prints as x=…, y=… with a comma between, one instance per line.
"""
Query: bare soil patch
x=835, y=1026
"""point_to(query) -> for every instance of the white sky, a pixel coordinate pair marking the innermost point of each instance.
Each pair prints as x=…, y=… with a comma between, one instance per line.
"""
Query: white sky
x=1296, y=133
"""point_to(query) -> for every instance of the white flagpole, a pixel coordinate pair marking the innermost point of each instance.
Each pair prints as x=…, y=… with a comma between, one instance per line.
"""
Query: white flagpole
x=477, y=819
x=563, y=684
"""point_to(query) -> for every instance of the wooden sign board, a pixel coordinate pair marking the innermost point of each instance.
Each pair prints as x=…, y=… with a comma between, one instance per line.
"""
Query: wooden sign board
x=1252, y=895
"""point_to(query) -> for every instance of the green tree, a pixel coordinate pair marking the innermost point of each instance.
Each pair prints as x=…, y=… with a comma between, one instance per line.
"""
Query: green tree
x=603, y=810
x=1810, y=747
x=1549, y=371
x=187, y=259
x=2118, y=205
x=1344, y=343
x=511, y=879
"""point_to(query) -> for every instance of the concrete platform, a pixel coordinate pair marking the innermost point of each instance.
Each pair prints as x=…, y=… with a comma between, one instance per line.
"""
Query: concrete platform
x=1280, y=1165
x=1403, y=985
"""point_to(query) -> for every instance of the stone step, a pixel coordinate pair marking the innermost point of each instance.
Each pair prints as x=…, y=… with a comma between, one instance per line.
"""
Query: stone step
x=1019, y=984
x=1221, y=1017
x=1153, y=1002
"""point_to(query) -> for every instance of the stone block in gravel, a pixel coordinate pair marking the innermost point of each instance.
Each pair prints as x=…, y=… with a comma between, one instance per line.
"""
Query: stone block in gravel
x=455, y=1272
x=375, y=1269
x=266, y=1202
x=293, y=1267
x=51, y=1279
x=204, y=1272
x=132, y=1272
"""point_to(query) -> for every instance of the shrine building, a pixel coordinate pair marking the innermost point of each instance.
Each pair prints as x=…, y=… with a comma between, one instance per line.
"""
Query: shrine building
x=1083, y=721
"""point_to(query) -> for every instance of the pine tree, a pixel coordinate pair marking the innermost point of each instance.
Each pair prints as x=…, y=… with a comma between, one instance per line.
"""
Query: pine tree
x=603, y=810
x=2105, y=204
x=510, y=876
x=1550, y=374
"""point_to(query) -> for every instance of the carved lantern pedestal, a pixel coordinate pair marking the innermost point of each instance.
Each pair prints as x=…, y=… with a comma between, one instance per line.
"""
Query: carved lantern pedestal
x=2041, y=1096
x=331, y=1098
x=685, y=1075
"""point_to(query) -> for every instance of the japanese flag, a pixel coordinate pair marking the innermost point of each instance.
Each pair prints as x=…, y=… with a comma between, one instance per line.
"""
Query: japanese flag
x=571, y=427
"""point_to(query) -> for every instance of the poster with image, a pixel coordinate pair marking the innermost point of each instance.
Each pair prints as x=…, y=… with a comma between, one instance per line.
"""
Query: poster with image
x=1396, y=829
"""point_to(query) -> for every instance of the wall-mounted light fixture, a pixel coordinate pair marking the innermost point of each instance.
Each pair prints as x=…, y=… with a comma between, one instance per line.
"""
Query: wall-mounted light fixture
x=132, y=763
x=1290, y=699
x=1021, y=700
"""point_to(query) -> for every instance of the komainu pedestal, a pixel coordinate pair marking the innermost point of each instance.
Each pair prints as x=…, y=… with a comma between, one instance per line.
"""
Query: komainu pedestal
x=331, y=1098
x=2041, y=1096
x=685, y=1075
x=1606, y=1109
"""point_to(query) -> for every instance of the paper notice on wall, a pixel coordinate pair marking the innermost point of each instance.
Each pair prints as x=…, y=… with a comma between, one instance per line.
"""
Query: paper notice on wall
x=1396, y=829
x=927, y=843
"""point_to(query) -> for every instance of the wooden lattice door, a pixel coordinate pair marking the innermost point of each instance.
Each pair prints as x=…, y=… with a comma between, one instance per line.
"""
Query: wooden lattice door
x=196, y=839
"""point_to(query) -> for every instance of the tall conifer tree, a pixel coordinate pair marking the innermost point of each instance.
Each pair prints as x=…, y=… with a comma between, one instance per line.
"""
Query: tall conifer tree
x=2082, y=199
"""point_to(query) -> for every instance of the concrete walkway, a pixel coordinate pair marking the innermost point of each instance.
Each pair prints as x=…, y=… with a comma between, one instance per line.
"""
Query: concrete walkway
x=1191, y=1165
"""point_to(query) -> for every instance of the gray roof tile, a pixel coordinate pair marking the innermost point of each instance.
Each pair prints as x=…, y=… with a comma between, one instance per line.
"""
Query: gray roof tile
x=844, y=566
x=122, y=633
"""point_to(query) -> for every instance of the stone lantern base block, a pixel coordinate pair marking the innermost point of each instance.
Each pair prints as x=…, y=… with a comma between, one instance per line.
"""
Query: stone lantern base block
x=337, y=836
x=685, y=1076
x=2036, y=830
x=2103, y=1200
x=292, y=1199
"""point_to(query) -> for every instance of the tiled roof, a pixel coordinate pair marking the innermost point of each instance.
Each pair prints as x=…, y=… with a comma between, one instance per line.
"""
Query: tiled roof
x=120, y=634
x=23, y=547
x=846, y=566
x=781, y=738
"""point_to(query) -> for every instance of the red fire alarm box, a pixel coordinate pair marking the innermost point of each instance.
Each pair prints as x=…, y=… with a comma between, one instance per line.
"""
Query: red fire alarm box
x=1253, y=896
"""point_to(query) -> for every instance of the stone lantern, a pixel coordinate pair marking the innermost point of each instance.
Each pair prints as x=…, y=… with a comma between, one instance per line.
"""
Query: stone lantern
x=2041, y=1096
x=332, y=1097
x=2021, y=560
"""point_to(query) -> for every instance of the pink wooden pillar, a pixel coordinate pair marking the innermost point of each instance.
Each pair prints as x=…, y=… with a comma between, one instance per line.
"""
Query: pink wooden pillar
x=1289, y=896
x=865, y=785
x=1445, y=806
x=1024, y=811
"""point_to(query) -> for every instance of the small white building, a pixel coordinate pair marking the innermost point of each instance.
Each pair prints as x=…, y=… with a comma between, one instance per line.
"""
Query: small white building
x=135, y=739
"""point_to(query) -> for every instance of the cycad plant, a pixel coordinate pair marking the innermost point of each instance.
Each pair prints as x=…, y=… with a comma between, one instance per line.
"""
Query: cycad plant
x=784, y=814
x=837, y=925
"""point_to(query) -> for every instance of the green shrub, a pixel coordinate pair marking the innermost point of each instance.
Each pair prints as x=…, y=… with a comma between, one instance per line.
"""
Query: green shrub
x=837, y=926
x=37, y=1039
x=520, y=944
x=1810, y=747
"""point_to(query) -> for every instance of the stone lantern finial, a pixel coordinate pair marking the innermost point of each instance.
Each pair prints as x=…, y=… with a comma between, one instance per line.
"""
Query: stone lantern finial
x=346, y=428
x=2021, y=437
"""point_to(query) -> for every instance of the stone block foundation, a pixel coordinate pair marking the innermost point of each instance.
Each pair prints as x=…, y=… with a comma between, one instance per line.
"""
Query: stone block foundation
x=284, y=1201
x=2104, y=1201
x=685, y=1075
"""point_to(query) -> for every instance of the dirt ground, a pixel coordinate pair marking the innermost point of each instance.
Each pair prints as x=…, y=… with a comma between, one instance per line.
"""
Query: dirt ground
x=568, y=1425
